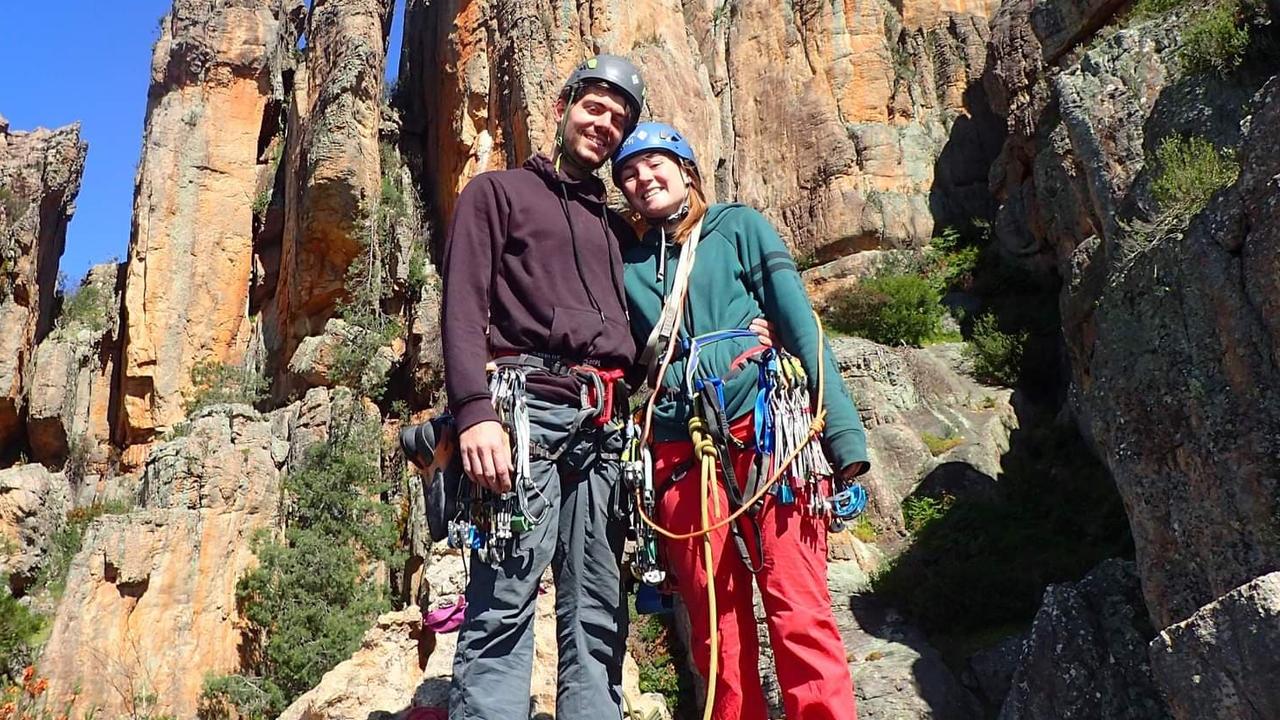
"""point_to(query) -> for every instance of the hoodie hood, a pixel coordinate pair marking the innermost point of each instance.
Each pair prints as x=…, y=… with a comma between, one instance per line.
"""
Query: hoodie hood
x=590, y=189
x=715, y=214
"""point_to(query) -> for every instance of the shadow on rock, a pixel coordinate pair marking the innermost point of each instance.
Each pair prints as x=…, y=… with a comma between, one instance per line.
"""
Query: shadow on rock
x=896, y=672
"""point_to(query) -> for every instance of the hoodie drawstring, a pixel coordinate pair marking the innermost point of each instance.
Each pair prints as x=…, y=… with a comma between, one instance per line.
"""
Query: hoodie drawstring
x=577, y=260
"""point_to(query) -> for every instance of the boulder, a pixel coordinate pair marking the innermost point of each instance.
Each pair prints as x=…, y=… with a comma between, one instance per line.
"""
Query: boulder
x=318, y=361
x=1222, y=661
x=897, y=673
x=378, y=681
x=904, y=394
x=1086, y=656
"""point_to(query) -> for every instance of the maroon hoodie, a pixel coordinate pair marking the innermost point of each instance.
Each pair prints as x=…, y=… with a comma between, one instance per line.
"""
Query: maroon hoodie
x=531, y=264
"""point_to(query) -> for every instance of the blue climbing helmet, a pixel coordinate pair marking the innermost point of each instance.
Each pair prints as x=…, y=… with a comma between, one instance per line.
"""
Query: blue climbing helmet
x=650, y=136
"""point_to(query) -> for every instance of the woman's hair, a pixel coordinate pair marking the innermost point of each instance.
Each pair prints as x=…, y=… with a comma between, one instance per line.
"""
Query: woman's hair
x=697, y=203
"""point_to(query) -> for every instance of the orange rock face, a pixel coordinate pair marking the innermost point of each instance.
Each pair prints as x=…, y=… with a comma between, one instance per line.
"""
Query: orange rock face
x=848, y=124
x=39, y=179
x=150, y=600
x=150, y=603
x=190, y=255
x=332, y=180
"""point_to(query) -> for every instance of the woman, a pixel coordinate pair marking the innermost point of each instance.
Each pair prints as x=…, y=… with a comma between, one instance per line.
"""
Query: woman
x=714, y=269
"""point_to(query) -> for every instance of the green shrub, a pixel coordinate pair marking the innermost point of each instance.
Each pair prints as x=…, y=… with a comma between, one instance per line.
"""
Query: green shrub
x=996, y=356
x=79, y=450
x=417, y=277
x=311, y=598
x=18, y=625
x=919, y=512
x=261, y=202
x=890, y=310
x=215, y=383
x=986, y=560
x=236, y=696
x=863, y=529
x=87, y=308
x=68, y=539
x=1188, y=171
x=13, y=206
x=950, y=261
x=1214, y=39
x=1144, y=9
x=651, y=645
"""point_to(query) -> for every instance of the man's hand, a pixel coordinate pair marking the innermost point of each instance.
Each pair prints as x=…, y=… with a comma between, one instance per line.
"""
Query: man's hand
x=763, y=331
x=486, y=455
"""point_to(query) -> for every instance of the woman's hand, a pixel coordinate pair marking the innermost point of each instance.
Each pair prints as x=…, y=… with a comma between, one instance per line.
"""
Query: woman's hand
x=853, y=470
x=763, y=331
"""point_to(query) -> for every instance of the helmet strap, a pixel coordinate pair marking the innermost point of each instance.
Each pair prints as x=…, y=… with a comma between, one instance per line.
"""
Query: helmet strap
x=679, y=214
x=562, y=151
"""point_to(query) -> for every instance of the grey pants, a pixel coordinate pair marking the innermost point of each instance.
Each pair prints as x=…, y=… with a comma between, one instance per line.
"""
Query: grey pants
x=581, y=537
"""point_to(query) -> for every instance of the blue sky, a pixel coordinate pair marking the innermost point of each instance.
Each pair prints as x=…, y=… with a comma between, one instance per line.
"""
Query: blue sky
x=80, y=60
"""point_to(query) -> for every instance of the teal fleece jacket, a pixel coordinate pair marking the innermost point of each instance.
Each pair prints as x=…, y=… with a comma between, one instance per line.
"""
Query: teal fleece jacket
x=742, y=271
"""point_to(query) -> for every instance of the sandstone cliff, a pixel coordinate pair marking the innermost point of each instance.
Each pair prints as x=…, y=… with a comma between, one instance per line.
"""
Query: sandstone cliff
x=150, y=606
x=1164, y=305
x=216, y=97
x=331, y=168
x=852, y=125
x=1166, y=327
x=269, y=170
x=40, y=175
x=72, y=386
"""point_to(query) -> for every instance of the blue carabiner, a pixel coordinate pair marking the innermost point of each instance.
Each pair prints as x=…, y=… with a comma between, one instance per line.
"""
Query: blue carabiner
x=786, y=495
x=849, y=502
x=765, y=426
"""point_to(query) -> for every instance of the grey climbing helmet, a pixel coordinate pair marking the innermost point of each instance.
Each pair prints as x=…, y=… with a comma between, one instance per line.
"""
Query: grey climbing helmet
x=615, y=71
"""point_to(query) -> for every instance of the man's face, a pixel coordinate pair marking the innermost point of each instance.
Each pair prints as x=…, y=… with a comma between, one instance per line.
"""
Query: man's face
x=595, y=124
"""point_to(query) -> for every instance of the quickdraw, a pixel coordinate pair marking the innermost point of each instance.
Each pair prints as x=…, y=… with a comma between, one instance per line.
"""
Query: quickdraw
x=783, y=427
x=492, y=523
x=637, y=473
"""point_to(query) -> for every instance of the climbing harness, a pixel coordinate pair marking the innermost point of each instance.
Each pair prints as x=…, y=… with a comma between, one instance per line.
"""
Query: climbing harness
x=786, y=436
x=491, y=523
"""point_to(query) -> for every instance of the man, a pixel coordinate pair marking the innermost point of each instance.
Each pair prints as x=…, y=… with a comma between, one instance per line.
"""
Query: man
x=533, y=280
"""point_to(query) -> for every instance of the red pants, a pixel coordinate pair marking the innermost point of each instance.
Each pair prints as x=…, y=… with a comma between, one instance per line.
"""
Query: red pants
x=813, y=670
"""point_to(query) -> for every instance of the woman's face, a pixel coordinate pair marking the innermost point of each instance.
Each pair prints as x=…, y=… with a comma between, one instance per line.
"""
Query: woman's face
x=654, y=184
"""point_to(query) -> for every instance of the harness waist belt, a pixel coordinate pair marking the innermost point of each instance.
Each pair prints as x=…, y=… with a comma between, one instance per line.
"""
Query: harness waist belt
x=597, y=383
